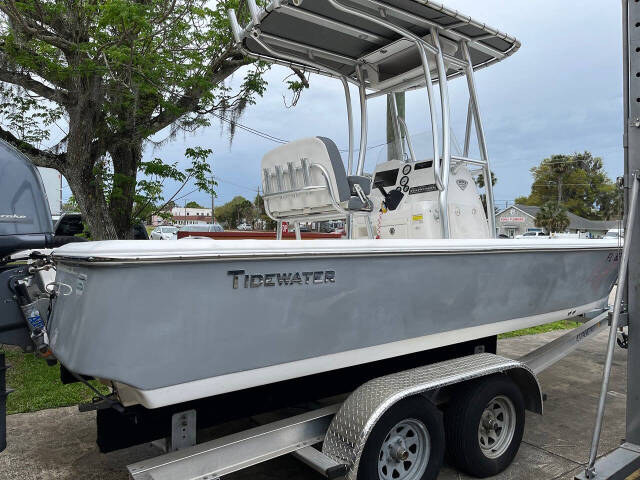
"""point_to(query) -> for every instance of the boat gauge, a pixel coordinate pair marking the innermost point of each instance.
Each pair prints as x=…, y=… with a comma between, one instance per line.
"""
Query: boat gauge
x=406, y=169
x=404, y=181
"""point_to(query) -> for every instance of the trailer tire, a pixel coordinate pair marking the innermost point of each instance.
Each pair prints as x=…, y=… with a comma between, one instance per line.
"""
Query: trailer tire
x=484, y=425
x=406, y=443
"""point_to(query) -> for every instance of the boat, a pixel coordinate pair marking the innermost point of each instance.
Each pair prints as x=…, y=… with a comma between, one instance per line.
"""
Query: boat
x=264, y=311
x=268, y=311
x=166, y=323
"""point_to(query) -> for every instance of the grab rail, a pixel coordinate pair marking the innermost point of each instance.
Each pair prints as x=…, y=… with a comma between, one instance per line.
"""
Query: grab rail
x=408, y=139
x=441, y=173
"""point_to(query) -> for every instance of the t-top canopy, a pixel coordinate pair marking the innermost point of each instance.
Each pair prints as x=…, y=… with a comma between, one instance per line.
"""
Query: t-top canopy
x=334, y=36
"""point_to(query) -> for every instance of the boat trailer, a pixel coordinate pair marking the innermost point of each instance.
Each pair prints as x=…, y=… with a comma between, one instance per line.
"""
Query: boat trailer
x=344, y=428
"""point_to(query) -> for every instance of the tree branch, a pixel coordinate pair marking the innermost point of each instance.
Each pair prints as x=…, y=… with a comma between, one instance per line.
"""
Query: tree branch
x=158, y=210
x=32, y=28
x=40, y=158
x=39, y=68
x=219, y=70
x=301, y=76
x=25, y=81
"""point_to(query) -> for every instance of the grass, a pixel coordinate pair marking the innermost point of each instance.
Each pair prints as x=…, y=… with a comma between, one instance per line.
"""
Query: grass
x=37, y=386
x=548, y=327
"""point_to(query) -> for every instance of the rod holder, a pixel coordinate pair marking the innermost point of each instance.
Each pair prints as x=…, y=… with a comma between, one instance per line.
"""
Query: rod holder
x=254, y=11
x=267, y=181
x=235, y=26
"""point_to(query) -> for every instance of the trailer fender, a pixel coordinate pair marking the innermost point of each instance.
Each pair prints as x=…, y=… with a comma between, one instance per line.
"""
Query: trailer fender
x=529, y=386
x=351, y=426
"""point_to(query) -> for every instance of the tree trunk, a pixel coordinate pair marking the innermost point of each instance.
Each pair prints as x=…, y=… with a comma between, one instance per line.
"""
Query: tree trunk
x=559, y=190
x=126, y=158
x=79, y=168
x=90, y=198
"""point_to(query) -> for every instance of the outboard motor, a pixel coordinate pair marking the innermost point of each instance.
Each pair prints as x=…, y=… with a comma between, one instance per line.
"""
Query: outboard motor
x=25, y=224
x=25, y=218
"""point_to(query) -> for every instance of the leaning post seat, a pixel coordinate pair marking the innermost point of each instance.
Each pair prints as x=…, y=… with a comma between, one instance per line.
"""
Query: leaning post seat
x=306, y=179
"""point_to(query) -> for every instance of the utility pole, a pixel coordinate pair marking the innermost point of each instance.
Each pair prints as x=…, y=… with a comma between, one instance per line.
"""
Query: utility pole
x=213, y=205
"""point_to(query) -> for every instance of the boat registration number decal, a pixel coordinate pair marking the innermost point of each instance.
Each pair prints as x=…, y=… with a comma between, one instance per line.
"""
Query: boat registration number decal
x=613, y=257
x=432, y=187
x=256, y=280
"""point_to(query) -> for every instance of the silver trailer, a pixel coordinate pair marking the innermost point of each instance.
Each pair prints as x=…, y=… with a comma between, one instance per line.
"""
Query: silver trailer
x=391, y=427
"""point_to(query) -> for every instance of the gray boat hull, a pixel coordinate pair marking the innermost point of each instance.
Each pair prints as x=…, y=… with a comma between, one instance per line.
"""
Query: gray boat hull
x=170, y=330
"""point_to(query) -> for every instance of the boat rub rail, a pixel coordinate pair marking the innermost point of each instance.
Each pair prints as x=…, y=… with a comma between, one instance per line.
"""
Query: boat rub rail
x=115, y=252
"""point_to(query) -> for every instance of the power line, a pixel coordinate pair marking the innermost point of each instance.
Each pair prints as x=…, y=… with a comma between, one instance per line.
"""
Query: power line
x=273, y=138
x=237, y=185
x=259, y=133
x=222, y=181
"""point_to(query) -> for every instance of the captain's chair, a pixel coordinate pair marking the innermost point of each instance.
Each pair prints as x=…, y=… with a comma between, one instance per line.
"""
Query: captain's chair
x=306, y=179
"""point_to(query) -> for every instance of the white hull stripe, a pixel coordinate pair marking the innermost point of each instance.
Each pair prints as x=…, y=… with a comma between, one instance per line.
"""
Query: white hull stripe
x=208, y=387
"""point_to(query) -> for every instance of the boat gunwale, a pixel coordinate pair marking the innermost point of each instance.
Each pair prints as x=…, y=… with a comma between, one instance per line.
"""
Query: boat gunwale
x=262, y=255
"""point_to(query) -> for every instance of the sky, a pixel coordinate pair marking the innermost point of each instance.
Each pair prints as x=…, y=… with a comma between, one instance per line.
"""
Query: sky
x=560, y=93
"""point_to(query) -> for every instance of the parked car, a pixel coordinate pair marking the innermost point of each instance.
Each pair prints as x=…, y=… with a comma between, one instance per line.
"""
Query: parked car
x=164, y=233
x=70, y=224
x=216, y=227
x=533, y=235
x=331, y=227
x=614, y=233
x=201, y=228
x=245, y=226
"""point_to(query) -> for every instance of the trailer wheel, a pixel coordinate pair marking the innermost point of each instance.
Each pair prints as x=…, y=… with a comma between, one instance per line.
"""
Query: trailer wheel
x=484, y=426
x=407, y=443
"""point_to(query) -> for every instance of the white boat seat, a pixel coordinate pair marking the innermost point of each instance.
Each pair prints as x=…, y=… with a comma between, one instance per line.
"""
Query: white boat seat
x=307, y=178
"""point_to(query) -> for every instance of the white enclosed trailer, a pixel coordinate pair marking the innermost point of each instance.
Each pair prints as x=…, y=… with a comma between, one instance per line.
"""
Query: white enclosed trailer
x=52, y=181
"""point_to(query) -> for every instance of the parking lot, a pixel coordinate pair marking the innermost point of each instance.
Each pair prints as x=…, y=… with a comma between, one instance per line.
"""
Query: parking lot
x=59, y=444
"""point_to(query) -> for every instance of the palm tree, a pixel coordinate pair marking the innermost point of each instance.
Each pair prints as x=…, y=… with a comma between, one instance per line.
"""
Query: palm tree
x=560, y=169
x=552, y=217
x=480, y=184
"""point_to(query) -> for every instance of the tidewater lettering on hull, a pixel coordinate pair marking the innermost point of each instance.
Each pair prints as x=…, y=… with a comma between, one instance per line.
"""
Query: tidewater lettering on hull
x=257, y=280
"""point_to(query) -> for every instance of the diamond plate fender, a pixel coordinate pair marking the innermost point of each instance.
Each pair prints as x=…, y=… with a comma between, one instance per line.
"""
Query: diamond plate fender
x=357, y=416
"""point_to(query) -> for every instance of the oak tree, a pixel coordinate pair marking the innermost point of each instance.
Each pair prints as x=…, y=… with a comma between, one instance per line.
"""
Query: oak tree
x=107, y=76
